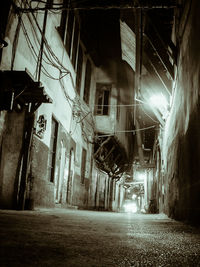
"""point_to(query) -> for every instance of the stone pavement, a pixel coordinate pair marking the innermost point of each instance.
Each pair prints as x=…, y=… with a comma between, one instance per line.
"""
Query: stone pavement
x=66, y=237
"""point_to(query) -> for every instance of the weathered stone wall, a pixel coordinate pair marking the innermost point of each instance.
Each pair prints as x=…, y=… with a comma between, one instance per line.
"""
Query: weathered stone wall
x=181, y=143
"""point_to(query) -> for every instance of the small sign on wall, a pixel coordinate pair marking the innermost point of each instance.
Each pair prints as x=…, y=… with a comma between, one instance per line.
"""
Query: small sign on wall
x=41, y=126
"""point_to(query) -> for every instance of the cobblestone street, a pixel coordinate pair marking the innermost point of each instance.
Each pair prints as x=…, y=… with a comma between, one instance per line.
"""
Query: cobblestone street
x=62, y=237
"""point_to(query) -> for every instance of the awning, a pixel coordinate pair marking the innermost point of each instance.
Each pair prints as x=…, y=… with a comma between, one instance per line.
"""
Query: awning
x=19, y=87
x=110, y=156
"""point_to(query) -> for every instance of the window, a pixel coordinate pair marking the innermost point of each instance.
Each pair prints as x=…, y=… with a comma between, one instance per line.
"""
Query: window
x=52, y=150
x=69, y=32
x=102, y=99
x=79, y=69
x=86, y=95
x=63, y=21
x=83, y=165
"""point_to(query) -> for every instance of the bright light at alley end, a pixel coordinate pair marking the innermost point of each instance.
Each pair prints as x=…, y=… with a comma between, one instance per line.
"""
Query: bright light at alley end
x=130, y=207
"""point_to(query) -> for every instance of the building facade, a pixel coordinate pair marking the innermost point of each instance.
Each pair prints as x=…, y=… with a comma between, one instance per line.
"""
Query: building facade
x=57, y=109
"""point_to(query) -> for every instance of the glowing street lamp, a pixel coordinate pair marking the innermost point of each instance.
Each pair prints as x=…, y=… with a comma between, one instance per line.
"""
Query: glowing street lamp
x=159, y=102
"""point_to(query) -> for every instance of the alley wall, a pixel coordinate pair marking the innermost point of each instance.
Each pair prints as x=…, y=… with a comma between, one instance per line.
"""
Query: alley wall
x=181, y=142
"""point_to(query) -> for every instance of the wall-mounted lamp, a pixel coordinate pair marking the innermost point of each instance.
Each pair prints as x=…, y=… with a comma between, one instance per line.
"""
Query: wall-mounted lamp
x=3, y=43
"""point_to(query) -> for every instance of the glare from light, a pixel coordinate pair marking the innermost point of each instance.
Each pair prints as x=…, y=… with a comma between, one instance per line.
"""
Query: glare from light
x=141, y=176
x=134, y=196
x=159, y=101
x=130, y=207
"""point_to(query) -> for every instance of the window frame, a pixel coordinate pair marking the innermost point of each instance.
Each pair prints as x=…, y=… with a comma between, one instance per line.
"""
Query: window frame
x=69, y=30
x=102, y=109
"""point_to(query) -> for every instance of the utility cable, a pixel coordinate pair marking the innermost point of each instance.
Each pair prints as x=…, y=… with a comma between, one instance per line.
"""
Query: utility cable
x=36, y=9
x=129, y=131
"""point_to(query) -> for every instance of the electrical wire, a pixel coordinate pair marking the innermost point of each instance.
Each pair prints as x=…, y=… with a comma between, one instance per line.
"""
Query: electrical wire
x=46, y=54
x=148, y=115
x=96, y=8
x=34, y=54
x=129, y=131
x=120, y=105
x=51, y=59
x=50, y=55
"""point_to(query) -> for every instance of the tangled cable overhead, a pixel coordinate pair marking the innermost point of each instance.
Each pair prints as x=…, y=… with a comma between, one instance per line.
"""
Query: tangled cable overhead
x=83, y=5
x=79, y=113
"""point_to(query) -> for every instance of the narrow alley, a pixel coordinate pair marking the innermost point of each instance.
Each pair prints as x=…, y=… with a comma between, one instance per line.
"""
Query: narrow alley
x=99, y=133
x=69, y=237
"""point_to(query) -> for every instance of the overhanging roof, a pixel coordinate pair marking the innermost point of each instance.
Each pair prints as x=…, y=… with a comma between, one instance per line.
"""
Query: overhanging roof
x=22, y=87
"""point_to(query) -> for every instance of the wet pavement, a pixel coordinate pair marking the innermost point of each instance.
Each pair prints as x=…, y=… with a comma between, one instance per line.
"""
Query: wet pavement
x=63, y=237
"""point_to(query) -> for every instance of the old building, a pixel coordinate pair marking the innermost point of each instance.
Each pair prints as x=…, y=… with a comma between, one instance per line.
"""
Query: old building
x=59, y=107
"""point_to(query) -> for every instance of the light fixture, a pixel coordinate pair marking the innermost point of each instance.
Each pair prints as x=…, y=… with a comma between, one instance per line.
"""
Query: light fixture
x=159, y=102
x=3, y=43
x=134, y=196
